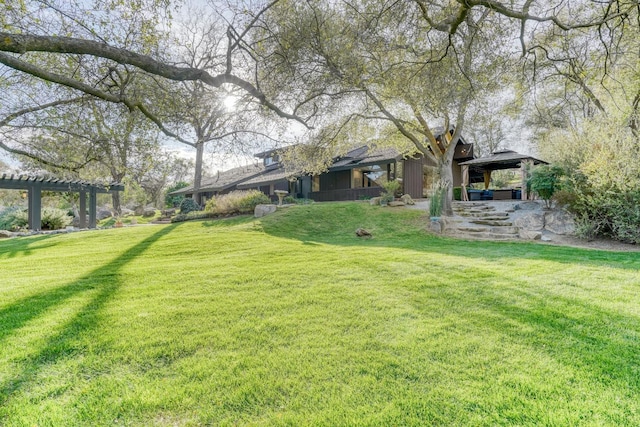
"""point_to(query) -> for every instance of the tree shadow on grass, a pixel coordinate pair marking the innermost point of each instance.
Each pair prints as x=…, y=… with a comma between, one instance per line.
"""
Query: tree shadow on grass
x=24, y=245
x=599, y=343
x=415, y=239
x=105, y=279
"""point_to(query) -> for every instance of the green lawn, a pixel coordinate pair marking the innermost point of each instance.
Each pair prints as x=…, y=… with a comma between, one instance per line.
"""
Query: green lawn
x=292, y=320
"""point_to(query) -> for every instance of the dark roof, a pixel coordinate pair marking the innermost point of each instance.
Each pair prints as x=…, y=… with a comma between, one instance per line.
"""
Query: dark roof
x=267, y=177
x=24, y=182
x=365, y=156
x=504, y=159
x=225, y=179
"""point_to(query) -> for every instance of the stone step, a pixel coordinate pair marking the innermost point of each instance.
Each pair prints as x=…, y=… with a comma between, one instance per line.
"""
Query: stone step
x=492, y=222
x=489, y=215
x=504, y=230
x=484, y=236
x=472, y=229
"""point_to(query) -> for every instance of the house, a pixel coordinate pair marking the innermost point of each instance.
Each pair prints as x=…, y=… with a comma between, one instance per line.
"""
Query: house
x=358, y=174
x=223, y=182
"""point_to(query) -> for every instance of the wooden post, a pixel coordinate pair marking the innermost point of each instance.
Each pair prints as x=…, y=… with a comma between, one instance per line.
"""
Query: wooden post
x=523, y=175
x=465, y=183
x=83, y=209
x=35, y=207
x=487, y=178
x=92, y=208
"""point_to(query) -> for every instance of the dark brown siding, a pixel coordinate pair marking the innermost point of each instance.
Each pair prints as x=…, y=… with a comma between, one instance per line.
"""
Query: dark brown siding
x=340, y=180
x=412, y=178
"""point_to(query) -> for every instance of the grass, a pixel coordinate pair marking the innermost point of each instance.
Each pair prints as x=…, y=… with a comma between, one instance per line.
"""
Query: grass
x=292, y=320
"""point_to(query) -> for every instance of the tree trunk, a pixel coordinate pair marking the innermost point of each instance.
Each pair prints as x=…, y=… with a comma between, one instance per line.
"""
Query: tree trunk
x=446, y=177
x=197, y=179
x=115, y=201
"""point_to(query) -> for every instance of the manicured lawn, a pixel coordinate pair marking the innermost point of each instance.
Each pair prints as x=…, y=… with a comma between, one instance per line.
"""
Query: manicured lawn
x=292, y=320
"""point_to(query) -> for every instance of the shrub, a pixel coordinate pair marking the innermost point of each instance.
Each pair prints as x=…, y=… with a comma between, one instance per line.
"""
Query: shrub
x=457, y=193
x=391, y=187
x=251, y=199
x=13, y=218
x=172, y=201
x=188, y=205
x=236, y=202
x=54, y=219
x=545, y=180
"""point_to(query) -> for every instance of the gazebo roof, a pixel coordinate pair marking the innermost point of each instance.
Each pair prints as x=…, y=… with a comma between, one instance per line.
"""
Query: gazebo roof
x=504, y=159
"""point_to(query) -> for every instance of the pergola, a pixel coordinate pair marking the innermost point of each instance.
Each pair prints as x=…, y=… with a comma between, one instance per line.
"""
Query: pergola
x=505, y=159
x=36, y=185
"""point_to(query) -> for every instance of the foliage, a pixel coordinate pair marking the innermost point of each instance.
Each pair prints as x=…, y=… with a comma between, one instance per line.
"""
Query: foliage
x=243, y=338
x=188, y=205
x=457, y=193
x=236, y=202
x=172, y=201
x=390, y=190
x=13, y=218
x=55, y=219
x=545, y=181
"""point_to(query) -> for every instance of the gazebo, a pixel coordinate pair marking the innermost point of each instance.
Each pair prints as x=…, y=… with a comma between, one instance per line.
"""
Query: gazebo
x=34, y=186
x=504, y=159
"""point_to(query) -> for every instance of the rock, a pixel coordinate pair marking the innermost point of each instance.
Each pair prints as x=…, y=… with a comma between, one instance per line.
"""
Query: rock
x=139, y=210
x=4, y=234
x=396, y=203
x=361, y=232
x=559, y=222
x=407, y=199
x=103, y=213
x=530, y=221
x=263, y=210
x=435, y=226
x=530, y=234
x=527, y=206
x=374, y=201
x=126, y=212
x=149, y=212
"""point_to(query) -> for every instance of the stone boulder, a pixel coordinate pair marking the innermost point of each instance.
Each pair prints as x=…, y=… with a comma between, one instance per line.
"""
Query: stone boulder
x=527, y=206
x=396, y=203
x=103, y=213
x=374, y=201
x=126, y=212
x=530, y=234
x=4, y=234
x=407, y=199
x=263, y=210
x=530, y=221
x=149, y=212
x=560, y=222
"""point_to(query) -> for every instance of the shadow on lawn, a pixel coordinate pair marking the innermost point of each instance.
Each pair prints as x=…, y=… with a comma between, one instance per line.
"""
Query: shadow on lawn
x=105, y=279
x=594, y=342
x=24, y=246
x=416, y=239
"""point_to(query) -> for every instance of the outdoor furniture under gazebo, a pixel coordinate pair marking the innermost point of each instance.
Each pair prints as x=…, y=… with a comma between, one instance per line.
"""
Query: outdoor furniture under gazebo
x=34, y=186
x=505, y=159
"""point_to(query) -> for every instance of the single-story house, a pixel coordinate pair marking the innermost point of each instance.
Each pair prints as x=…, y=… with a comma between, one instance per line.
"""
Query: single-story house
x=223, y=182
x=358, y=174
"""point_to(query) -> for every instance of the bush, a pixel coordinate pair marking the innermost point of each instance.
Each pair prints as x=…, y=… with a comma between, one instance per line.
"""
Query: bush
x=174, y=201
x=457, y=193
x=55, y=219
x=236, y=202
x=188, y=205
x=545, y=181
x=391, y=187
x=13, y=218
